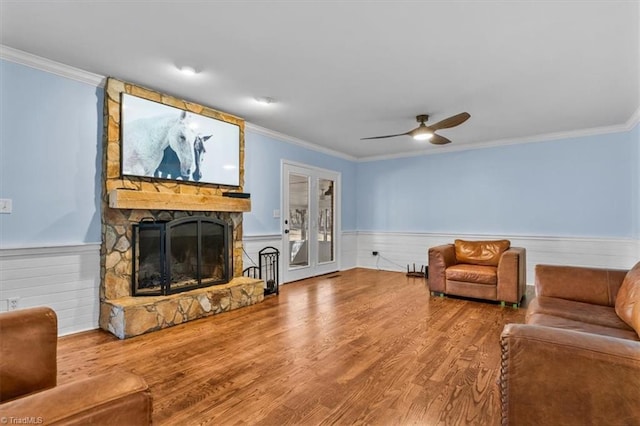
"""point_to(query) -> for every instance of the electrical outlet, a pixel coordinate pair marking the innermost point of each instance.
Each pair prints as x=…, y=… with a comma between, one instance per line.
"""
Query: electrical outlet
x=374, y=253
x=13, y=303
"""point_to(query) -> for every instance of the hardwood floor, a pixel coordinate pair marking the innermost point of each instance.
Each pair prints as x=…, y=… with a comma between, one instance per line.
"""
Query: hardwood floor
x=356, y=347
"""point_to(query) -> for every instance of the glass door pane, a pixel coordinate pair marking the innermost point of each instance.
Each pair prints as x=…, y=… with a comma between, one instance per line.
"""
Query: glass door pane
x=299, y=220
x=325, y=233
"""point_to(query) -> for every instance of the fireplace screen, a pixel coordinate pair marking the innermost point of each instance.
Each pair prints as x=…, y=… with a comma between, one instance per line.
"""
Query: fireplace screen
x=180, y=255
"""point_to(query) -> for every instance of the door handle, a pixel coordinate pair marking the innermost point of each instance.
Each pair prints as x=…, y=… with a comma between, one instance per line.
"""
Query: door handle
x=286, y=231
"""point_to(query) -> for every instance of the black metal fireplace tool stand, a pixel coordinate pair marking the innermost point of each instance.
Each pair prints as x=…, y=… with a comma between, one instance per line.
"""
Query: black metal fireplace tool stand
x=267, y=270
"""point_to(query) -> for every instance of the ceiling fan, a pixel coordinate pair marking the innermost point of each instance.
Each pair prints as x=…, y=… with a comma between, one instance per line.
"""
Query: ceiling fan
x=424, y=132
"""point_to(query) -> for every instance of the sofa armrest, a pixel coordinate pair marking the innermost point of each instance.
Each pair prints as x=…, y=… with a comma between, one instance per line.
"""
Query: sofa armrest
x=590, y=285
x=28, y=346
x=556, y=376
x=440, y=258
x=112, y=398
x=512, y=275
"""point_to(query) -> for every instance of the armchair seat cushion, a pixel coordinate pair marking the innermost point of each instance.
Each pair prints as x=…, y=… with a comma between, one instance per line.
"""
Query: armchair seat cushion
x=472, y=273
x=576, y=311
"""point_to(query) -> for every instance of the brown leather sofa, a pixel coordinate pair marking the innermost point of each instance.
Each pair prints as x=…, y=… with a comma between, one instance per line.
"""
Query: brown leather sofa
x=490, y=270
x=576, y=361
x=28, y=374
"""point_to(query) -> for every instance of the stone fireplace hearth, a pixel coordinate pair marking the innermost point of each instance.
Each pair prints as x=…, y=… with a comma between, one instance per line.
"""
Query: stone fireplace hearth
x=127, y=200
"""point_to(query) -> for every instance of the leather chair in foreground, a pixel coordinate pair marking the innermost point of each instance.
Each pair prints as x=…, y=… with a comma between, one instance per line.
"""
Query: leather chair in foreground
x=28, y=374
x=576, y=361
x=490, y=270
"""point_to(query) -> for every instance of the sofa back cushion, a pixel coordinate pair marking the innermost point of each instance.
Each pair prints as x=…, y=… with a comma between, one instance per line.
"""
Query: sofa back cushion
x=628, y=299
x=481, y=252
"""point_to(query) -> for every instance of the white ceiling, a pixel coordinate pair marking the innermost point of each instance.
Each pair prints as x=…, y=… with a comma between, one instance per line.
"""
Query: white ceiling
x=343, y=70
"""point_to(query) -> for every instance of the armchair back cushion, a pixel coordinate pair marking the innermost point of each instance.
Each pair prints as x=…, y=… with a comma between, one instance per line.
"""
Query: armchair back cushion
x=628, y=299
x=28, y=347
x=486, y=253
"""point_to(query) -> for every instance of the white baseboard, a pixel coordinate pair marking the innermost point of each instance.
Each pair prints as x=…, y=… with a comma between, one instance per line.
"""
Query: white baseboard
x=64, y=278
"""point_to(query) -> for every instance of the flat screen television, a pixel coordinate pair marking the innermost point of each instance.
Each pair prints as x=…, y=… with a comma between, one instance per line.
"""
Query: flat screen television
x=164, y=142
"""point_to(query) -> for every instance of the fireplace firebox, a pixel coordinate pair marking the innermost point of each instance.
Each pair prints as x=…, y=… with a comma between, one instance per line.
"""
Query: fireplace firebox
x=180, y=255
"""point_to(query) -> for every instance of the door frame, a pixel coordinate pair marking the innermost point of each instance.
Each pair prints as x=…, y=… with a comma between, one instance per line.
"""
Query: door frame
x=314, y=173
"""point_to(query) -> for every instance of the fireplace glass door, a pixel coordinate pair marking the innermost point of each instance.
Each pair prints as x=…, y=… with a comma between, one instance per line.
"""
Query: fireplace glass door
x=183, y=245
x=180, y=255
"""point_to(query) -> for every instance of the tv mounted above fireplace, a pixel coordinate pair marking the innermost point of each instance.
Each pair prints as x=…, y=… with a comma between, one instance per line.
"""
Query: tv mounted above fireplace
x=163, y=142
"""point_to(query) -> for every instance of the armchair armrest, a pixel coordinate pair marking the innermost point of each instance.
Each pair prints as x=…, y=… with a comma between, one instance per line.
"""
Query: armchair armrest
x=590, y=285
x=512, y=275
x=556, y=376
x=112, y=398
x=28, y=346
x=440, y=258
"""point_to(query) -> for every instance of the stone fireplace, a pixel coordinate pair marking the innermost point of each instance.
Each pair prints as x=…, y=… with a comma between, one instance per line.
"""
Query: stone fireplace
x=129, y=201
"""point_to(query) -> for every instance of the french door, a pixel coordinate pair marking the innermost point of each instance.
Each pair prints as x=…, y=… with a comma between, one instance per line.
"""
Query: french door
x=309, y=221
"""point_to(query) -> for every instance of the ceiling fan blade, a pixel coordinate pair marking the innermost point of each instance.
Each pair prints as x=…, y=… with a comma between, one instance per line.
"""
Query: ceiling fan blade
x=453, y=121
x=383, y=137
x=439, y=140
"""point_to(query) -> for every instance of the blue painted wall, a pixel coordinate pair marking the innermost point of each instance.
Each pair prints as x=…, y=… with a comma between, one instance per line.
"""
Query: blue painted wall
x=263, y=157
x=50, y=134
x=50, y=148
x=572, y=187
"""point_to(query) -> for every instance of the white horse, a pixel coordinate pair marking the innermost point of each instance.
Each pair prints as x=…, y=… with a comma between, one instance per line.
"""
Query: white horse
x=146, y=139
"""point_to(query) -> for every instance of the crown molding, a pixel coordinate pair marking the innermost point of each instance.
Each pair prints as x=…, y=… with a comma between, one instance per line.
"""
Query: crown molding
x=634, y=120
x=44, y=64
x=295, y=141
x=77, y=74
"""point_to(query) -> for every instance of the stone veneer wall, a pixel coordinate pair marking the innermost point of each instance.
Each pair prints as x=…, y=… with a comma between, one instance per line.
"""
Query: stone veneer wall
x=116, y=254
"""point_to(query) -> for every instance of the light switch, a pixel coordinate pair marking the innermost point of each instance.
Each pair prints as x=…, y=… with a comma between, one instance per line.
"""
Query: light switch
x=276, y=214
x=6, y=205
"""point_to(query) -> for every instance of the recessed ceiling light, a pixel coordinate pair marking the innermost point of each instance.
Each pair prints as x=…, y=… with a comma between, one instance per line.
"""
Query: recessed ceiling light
x=265, y=100
x=187, y=70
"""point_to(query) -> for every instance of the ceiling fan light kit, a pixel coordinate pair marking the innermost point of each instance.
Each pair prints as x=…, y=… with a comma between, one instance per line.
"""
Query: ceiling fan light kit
x=424, y=132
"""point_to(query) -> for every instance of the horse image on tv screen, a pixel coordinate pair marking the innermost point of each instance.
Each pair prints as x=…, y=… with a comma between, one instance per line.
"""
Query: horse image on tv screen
x=165, y=142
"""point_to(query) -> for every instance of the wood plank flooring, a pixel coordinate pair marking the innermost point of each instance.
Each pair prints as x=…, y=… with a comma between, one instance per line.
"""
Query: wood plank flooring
x=356, y=347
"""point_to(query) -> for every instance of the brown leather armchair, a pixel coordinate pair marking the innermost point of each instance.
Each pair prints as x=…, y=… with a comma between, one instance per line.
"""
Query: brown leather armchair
x=28, y=374
x=490, y=270
x=576, y=361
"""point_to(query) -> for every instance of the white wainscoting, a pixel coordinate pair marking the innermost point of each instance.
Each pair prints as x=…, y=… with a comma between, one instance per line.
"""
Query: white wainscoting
x=253, y=244
x=349, y=253
x=396, y=250
x=64, y=278
x=67, y=278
